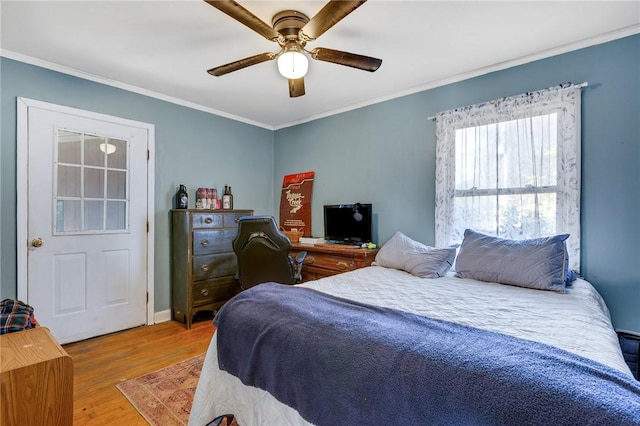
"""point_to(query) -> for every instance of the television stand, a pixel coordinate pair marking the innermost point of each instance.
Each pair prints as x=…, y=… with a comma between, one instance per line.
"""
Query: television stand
x=324, y=260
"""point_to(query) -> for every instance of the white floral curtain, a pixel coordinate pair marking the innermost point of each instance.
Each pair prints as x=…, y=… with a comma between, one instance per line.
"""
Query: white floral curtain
x=511, y=168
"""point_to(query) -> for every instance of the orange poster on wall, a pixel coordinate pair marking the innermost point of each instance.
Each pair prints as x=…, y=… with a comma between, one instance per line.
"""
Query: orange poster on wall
x=295, y=202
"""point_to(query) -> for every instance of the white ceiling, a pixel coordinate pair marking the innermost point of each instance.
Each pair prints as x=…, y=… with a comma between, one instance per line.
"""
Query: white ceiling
x=163, y=48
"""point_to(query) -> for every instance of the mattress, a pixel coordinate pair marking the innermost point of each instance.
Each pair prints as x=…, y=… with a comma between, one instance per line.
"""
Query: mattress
x=577, y=321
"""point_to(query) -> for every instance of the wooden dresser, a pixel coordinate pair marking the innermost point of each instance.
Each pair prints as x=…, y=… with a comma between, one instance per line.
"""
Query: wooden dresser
x=36, y=379
x=324, y=260
x=203, y=264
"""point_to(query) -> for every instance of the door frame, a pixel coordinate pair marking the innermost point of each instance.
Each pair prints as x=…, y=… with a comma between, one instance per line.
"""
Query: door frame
x=22, y=185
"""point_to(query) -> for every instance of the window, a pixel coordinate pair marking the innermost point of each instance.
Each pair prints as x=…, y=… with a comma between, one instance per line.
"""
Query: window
x=90, y=184
x=511, y=168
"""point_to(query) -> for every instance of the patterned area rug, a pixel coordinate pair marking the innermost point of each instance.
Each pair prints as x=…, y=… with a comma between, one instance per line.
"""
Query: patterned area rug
x=164, y=397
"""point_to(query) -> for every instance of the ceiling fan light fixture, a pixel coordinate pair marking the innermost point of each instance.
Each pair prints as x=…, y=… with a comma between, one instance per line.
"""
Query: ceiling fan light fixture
x=108, y=148
x=292, y=63
x=292, y=30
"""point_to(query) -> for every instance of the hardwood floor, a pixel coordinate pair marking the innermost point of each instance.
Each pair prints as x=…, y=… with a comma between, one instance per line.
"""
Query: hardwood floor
x=99, y=364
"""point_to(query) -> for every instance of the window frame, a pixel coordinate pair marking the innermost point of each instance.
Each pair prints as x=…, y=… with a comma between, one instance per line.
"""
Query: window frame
x=562, y=100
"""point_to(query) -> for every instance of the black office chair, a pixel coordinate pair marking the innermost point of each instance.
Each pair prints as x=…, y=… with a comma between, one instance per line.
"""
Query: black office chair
x=263, y=253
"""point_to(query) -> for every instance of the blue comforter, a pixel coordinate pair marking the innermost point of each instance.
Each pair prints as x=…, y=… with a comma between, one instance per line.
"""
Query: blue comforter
x=341, y=362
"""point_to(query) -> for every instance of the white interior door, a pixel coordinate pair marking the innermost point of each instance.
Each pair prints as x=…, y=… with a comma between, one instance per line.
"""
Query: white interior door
x=87, y=236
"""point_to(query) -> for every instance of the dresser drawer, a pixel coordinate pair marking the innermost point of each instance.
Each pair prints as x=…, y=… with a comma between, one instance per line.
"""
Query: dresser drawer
x=213, y=266
x=218, y=241
x=332, y=263
x=231, y=220
x=210, y=291
x=208, y=220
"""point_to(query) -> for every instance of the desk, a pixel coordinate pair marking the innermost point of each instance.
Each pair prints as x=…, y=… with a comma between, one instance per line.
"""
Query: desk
x=36, y=376
x=324, y=260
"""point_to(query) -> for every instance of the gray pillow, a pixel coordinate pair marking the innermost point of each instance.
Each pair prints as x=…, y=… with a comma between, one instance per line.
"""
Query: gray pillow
x=538, y=263
x=403, y=253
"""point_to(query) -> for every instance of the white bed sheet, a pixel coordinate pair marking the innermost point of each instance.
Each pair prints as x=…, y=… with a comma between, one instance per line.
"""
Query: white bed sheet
x=577, y=321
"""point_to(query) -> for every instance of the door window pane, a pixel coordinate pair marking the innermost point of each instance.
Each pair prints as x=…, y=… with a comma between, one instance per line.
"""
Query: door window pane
x=68, y=216
x=118, y=158
x=93, y=155
x=69, y=147
x=69, y=181
x=93, y=216
x=116, y=215
x=93, y=183
x=116, y=184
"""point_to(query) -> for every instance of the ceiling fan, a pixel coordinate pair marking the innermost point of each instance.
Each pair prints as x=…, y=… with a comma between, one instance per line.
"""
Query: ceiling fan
x=292, y=30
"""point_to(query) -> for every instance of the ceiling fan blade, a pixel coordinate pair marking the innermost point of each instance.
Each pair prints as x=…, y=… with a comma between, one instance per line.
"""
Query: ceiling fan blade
x=242, y=63
x=327, y=17
x=296, y=87
x=366, y=63
x=245, y=17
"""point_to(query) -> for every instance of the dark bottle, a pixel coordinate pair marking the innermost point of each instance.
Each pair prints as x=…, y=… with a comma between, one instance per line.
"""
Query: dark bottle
x=182, y=198
x=227, y=198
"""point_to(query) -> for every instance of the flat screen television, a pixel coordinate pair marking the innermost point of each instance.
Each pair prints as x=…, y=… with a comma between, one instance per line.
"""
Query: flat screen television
x=348, y=223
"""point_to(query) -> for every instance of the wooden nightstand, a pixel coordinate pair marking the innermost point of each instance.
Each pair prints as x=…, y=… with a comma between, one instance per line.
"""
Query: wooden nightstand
x=324, y=260
x=37, y=380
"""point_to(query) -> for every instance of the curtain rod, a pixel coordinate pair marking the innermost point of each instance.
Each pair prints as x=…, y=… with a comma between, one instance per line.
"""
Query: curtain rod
x=578, y=86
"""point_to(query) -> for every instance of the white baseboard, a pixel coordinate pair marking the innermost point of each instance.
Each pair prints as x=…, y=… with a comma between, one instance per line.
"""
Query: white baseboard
x=162, y=316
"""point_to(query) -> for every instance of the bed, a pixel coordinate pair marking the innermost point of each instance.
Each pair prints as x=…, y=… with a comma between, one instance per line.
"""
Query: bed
x=571, y=327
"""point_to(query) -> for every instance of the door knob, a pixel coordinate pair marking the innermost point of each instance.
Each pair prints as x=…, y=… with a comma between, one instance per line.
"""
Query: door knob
x=37, y=242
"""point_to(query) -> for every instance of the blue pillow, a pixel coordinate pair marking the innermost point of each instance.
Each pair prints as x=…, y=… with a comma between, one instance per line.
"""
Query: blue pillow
x=539, y=263
x=403, y=253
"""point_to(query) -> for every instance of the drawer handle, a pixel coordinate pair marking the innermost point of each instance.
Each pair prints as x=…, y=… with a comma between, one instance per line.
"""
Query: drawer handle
x=204, y=292
x=309, y=260
x=208, y=220
x=204, y=243
x=342, y=265
x=204, y=268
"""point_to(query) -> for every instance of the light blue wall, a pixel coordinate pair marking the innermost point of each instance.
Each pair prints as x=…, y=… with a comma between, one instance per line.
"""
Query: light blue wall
x=385, y=154
x=195, y=148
